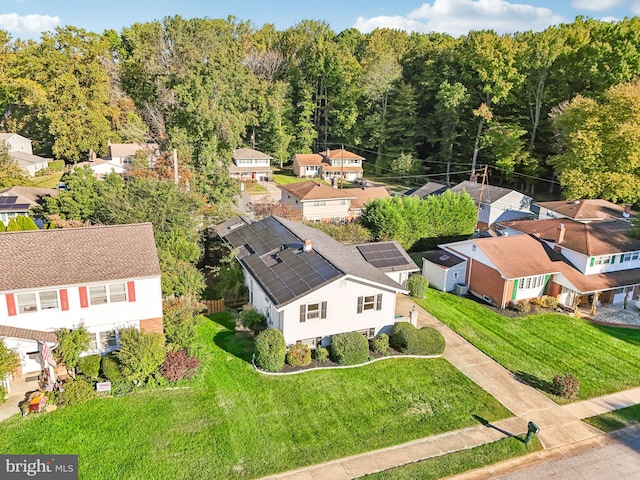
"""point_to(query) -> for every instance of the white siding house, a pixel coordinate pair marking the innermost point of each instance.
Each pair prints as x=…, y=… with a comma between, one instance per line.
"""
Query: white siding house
x=444, y=270
x=308, y=285
x=63, y=278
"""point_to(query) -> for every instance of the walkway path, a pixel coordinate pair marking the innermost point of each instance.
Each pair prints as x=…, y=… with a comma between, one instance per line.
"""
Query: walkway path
x=561, y=430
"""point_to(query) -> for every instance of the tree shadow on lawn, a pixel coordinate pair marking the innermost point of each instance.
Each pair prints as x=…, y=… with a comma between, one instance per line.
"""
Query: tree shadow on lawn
x=535, y=382
x=235, y=342
x=488, y=424
x=629, y=335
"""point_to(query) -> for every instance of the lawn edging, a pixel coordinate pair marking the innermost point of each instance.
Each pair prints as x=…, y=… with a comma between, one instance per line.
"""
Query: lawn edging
x=315, y=369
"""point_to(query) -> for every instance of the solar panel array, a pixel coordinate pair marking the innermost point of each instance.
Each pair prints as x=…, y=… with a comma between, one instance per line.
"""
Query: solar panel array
x=288, y=272
x=382, y=255
x=9, y=203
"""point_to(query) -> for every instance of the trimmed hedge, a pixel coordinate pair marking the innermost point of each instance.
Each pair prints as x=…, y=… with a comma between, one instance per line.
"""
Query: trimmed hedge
x=270, y=350
x=299, y=355
x=380, y=344
x=110, y=367
x=78, y=391
x=408, y=339
x=90, y=365
x=321, y=354
x=349, y=348
x=418, y=286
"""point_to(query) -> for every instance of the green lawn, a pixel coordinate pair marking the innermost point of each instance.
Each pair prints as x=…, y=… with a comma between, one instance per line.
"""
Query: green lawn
x=462, y=461
x=236, y=423
x=537, y=347
x=47, y=181
x=608, y=422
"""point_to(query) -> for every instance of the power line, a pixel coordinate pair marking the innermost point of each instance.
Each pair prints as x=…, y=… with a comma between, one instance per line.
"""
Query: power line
x=525, y=175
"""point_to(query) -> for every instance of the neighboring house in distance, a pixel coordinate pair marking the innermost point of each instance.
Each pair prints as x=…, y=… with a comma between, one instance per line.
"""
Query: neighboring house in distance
x=16, y=201
x=429, y=188
x=317, y=202
x=497, y=204
x=62, y=278
x=363, y=195
x=307, y=165
x=20, y=150
x=329, y=165
x=571, y=261
x=598, y=212
x=249, y=164
x=308, y=285
x=119, y=158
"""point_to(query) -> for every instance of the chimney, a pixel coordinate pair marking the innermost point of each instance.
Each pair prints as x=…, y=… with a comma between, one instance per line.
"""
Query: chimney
x=307, y=245
x=560, y=234
x=328, y=152
x=627, y=210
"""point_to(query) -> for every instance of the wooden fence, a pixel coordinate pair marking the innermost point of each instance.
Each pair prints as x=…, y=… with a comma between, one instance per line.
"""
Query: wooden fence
x=215, y=306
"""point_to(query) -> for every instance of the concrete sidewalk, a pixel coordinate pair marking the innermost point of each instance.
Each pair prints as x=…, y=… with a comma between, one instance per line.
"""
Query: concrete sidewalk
x=561, y=431
x=19, y=387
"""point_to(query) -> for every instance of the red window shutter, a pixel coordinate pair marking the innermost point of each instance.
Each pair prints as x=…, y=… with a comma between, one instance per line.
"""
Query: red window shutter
x=64, y=299
x=11, y=304
x=131, y=291
x=84, y=301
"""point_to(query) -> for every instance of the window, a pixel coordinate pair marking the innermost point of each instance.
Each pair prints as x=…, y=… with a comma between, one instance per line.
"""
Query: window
x=627, y=257
x=368, y=332
x=311, y=311
x=602, y=260
x=27, y=303
x=112, y=293
x=370, y=302
x=321, y=203
x=98, y=294
x=48, y=299
x=108, y=340
x=531, y=282
x=311, y=342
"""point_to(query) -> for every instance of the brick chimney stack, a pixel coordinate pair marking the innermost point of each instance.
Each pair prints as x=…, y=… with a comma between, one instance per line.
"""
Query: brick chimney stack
x=560, y=234
x=307, y=245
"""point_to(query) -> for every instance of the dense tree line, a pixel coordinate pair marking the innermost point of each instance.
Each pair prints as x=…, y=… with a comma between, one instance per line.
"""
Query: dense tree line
x=207, y=86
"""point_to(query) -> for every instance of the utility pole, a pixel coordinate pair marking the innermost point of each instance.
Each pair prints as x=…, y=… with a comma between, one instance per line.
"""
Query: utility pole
x=342, y=165
x=484, y=176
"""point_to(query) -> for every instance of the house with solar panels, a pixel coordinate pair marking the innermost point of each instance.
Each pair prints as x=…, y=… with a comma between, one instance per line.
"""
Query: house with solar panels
x=309, y=286
x=19, y=200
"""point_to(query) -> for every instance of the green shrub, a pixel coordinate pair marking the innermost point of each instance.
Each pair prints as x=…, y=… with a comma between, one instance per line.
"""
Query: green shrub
x=321, y=354
x=550, y=302
x=110, y=368
x=350, y=348
x=523, y=306
x=565, y=385
x=270, y=350
x=418, y=286
x=70, y=344
x=253, y=320
x=299, y=355
x=179, y=321
x=380, y=344
x=400, y=334
x=90, y=365
x=56, y=165
x=408, y=339
x=78, y=391
x=141, y=353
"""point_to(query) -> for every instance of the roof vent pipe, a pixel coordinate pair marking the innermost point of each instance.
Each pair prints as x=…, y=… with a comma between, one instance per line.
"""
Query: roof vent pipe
x=307, y=247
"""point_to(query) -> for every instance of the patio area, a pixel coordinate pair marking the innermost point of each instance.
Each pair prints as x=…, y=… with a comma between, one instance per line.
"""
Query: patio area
x=615, y=314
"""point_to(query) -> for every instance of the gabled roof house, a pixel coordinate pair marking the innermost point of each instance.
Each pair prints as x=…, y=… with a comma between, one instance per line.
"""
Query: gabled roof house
x=250, y=164
x=308, y=285
x=105, y=277
x=496, y=204
x=18, y=200
x=19, y=148
x=571, y=261
x=598, y=212
x=329, y=165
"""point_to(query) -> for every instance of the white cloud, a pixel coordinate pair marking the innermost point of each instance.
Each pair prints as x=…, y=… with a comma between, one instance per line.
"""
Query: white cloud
x=458, y=17
x=34, y=23
x=605, y=5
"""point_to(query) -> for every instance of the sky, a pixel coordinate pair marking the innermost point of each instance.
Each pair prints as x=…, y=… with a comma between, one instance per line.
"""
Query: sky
x=29, y=18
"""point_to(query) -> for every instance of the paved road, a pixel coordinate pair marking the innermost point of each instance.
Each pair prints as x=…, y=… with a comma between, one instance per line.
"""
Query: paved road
x=619, y=459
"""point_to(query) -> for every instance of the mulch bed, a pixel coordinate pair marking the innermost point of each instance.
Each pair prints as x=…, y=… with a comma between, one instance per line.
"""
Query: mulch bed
x=329, y=363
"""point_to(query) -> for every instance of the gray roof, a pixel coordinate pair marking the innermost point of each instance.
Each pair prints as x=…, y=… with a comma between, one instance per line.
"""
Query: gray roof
x=272, y=251
x=249, y=154
x=490, y=194
x=76, y=256
x=443, y=258
x=25, y=159
x=429, y=188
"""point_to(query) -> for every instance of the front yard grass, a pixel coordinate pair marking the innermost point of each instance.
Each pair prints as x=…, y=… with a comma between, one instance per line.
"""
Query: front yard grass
x=611, y=421
x=236, y=423
x=537, y=347
x=47, y=181
x=462, y=461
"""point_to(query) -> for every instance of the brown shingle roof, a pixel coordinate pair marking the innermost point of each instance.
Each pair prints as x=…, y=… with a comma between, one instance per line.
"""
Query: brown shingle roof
x=29, y=195
x=581, y=210
x=124, y=149
x=14, y=332
x=579, y=237
x=341, y=153
x=74, y=256
x=364, y=195
x=308, y=159
x=329, y=168
x=314, y=191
